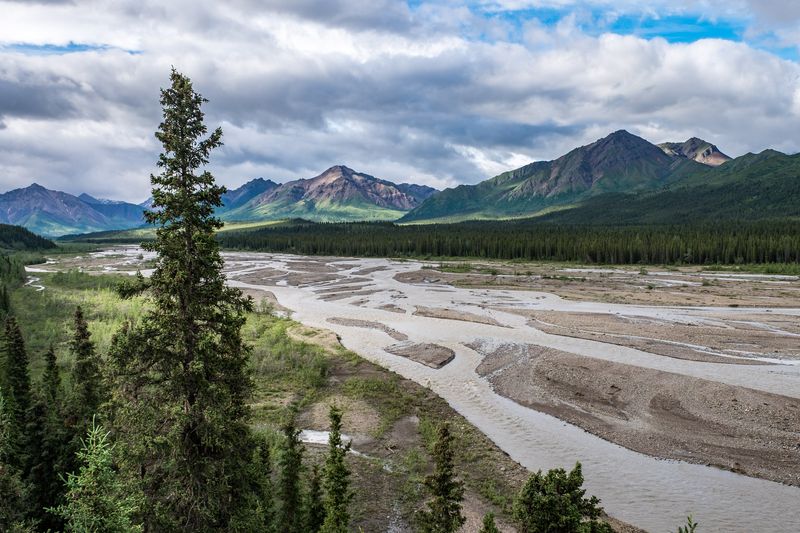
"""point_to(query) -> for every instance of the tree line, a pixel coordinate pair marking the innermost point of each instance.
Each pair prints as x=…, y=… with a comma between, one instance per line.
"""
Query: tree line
x=12, y=274
x=19, y=238
x=697, y=244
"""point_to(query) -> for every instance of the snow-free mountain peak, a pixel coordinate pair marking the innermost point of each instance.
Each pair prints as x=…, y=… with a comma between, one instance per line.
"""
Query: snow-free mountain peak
x=696, y=149
x=338, y=193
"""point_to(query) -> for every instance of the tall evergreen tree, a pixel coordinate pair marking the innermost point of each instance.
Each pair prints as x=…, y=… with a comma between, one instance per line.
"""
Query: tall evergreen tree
x=444, y=508
x=181, y=372
x=87, y=384
x=48, y=446
x=86, y=394
x=97, y=500
x=337, y=478
x=314, y=506
x=5, y=302
x=18, y=395
x=290, y=464
x=51, y=378
x=13, y=492
x=258, y=514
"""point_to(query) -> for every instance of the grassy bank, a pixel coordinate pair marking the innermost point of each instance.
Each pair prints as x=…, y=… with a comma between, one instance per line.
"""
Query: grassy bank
x=391, y=419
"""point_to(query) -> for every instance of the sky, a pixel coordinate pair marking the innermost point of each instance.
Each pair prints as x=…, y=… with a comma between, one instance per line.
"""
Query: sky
x=438, y=92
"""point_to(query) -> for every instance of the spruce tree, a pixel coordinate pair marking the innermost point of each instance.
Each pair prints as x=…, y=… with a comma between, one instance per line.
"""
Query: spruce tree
x=51, y=378
x=258, y=513
x=314, y=506
x=488, y=525
x=13, y=491
x=444, y=508
x=18, y=393
x=97, y=500
x=290, y=464
x=337, y=478
x=87, y=384
x=264, y=492
x=5, y=303
x=555, y=502
x=181, y=375
x=48, y=446
x=86, y=394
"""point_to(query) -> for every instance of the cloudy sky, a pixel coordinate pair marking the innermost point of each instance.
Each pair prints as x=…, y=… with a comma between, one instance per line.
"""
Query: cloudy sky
x=439, y=92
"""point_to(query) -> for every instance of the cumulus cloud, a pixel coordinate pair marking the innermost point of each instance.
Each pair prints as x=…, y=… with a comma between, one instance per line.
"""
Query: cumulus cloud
x=437, y=94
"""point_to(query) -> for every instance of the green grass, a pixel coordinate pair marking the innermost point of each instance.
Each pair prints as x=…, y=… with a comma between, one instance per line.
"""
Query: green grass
x=287, y=372
x=324, y=211
x=392, y=401
x=46, y=316
x=787, y=269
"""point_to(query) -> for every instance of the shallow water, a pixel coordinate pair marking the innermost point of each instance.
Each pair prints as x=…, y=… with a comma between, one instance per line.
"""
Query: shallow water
x=650, y=493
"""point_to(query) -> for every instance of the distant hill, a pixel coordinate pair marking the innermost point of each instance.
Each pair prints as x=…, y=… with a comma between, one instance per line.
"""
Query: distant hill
x=54, y=213
x=236, y=197
x=618, y=163
x=338, y=194
x=240, y=196
x=19, y=238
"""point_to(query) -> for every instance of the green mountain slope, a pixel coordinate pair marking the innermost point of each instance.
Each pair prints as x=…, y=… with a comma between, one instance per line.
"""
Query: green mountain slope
x=751, y=187
x=19, y=238
x=619, y=162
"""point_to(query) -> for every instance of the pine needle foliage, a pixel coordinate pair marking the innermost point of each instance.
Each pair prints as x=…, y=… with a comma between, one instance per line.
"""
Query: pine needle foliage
x=337, y=478
x=49, y=446
x=314, y=506
x=13, y=492
x=17, y=386
x=554, y=503
x=182, y=382
x=290, y=469
x=443, y=514
x=87, y=380
x=97, y=500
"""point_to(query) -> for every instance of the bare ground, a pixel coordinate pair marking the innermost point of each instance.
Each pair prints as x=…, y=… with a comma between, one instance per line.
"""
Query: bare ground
x=687, y=286
x=393, y=308
x=431, y=355
x=725, y=341
x=452, y=314
x=351, y=322
x=653, y=412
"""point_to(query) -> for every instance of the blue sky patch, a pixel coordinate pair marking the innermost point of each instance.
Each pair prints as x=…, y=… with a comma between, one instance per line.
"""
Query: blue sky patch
x=686, y=27
x=56, y=49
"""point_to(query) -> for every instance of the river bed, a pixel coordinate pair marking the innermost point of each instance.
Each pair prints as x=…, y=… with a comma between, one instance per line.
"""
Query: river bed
x=652, y=493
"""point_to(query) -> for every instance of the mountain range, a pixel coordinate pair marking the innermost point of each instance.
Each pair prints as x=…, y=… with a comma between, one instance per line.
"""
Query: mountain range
x=619, y=179
x=624, y=179
x=55, y=213
x=618, y=163
x=338, y=194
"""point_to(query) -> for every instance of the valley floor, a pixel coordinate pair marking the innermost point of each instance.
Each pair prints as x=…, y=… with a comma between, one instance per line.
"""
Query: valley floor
x=618, y=368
